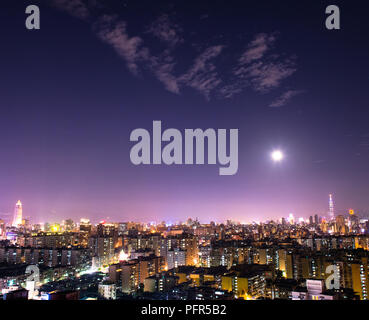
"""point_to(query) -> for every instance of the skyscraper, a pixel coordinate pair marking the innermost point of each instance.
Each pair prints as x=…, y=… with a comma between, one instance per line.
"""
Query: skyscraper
x=316, y=219
x=2, y=230
x=331, y=207
x=17, y=214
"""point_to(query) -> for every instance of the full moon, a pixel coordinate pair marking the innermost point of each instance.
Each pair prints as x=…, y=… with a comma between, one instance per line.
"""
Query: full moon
x=277, y=155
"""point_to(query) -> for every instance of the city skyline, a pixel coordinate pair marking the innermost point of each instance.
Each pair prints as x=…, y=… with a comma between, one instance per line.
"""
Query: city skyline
x=330, y=214
x=96, y=70
x=316, y=259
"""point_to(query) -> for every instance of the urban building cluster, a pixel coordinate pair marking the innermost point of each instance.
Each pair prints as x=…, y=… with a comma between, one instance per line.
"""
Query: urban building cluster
x=309, y=259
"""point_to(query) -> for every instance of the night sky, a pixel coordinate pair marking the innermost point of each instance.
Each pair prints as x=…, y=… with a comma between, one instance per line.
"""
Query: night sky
x=72, y=92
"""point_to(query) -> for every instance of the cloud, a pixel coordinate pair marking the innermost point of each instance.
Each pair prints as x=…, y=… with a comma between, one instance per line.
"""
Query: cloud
x=202, y=75
x=76, y=8
x=258, y=69
x=164, y=30
x=163, y=64
x=163, y=67
x=264, y=76
x=257, y=48
x=229, y=90
x=285, y=97
x=113, y=32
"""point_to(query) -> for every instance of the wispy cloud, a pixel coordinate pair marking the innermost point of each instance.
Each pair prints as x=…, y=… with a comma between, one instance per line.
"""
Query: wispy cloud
x=285, y=98
x=113, y=32
x=162, y=67
x=256, y=66
x=229, y=90
x=264, y=76
x=257, y=48
x=165, y=30
x=203, y=76
x=76, y=8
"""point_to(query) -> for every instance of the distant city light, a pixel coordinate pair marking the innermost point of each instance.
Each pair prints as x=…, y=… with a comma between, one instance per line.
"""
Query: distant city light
x=123, y=256
x=291, y=218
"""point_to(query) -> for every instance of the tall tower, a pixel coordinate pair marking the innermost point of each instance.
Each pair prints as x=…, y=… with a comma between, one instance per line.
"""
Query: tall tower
x=331, y=207
x=17, y=214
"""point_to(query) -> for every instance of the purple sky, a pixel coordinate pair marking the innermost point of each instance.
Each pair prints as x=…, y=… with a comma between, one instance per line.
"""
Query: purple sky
x=72, y=92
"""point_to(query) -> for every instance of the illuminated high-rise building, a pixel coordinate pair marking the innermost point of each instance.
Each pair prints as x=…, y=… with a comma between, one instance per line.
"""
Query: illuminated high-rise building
x=331, y=207
x=2, y=230
x=291, y=218
x=340, y=224
x=316, y=219
x=85, y=225
x=18, y=216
